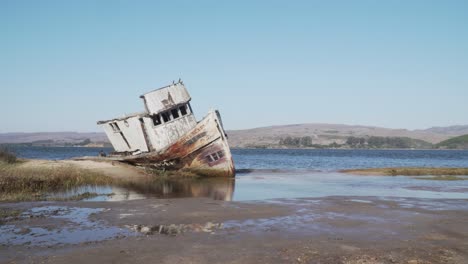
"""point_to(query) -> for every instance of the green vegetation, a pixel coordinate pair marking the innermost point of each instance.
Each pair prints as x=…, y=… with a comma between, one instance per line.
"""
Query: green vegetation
x=358, y=142
x=304, y=142
x=296, y=141
x=460, y=142
x=409, y=171
x=387, y=142
x=84, y=142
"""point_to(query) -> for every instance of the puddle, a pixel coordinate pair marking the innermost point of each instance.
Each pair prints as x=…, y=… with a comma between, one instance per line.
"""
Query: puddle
x=38, y=227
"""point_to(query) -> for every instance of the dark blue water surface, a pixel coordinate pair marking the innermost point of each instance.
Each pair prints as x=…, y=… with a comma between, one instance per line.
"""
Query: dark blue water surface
x=295, y=159
x=335, y=159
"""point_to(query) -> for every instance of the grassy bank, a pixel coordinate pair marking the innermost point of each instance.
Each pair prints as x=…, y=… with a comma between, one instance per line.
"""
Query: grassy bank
x=408, y=171
x=20, y=183
x=30, y=180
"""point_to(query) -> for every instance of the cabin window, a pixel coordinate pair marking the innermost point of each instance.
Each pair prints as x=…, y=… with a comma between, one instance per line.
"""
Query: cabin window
x=165, y=117
x=183, y=110
x=175, y=113
x=156, y=120
x=215, y=156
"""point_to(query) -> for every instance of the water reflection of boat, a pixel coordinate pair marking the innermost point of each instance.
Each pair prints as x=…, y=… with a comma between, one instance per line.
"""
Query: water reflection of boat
x=216, y=188
x=167, y=135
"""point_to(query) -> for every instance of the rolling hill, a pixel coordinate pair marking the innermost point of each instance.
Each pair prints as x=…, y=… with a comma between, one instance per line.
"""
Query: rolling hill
x=315, y=133
x=460, y=142
x=325, y=134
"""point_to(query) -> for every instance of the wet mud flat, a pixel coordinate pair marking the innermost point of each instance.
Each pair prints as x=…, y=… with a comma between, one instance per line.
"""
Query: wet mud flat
x=345, y=229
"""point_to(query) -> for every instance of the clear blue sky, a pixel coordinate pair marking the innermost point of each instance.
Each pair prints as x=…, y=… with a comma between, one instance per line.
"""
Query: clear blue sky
x=400, y=64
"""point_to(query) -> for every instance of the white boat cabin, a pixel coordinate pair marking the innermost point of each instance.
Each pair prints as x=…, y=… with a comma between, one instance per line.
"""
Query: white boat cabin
x=168, y=116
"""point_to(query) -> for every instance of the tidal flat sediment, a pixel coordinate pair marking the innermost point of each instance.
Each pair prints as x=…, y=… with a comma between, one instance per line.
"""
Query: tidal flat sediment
x=199, y=230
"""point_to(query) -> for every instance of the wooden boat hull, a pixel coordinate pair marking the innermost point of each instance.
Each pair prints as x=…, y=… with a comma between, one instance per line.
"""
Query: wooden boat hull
x=203, y=150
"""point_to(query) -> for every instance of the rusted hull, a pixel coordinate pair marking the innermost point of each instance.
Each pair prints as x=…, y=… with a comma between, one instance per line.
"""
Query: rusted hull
x=203, y=150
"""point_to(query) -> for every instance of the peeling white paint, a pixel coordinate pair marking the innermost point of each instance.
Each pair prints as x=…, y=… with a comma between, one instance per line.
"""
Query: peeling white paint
x=138, y=133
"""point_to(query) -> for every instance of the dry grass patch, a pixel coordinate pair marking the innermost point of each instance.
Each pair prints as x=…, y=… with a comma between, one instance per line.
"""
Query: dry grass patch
x=7, y=156
x=23, y=183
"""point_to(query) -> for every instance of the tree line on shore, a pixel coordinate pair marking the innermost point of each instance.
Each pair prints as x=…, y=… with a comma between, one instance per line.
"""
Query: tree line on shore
x=358, y=142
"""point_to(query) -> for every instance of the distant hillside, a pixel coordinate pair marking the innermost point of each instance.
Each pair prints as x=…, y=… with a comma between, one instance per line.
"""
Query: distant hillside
x=56, y=137
x=286, y=136
x=460, y=142
x=325, y=134
x=450, y=130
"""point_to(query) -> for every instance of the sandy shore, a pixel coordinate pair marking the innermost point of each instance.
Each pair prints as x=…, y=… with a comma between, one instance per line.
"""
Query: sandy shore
x=325, y=230
x=110, y=168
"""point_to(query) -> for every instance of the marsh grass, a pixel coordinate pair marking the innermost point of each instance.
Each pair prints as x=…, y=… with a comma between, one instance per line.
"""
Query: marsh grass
x=409, y=171
x=33, y=183
x=19, y=183
x=168, y=174
x=7, y=156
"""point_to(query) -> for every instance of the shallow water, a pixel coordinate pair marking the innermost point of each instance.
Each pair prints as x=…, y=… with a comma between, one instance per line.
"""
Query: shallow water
x=268, y=174
x=293, y=184
x=337, y=159
x=77, y=227
x=261, y=186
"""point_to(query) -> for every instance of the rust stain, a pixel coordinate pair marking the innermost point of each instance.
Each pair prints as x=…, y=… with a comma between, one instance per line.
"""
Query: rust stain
x=174, y=140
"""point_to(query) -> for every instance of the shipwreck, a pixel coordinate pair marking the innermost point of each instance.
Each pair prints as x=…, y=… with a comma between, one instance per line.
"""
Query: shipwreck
x=167, y=136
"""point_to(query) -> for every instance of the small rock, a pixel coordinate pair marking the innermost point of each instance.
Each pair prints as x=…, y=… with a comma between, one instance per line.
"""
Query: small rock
x=145, y=230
